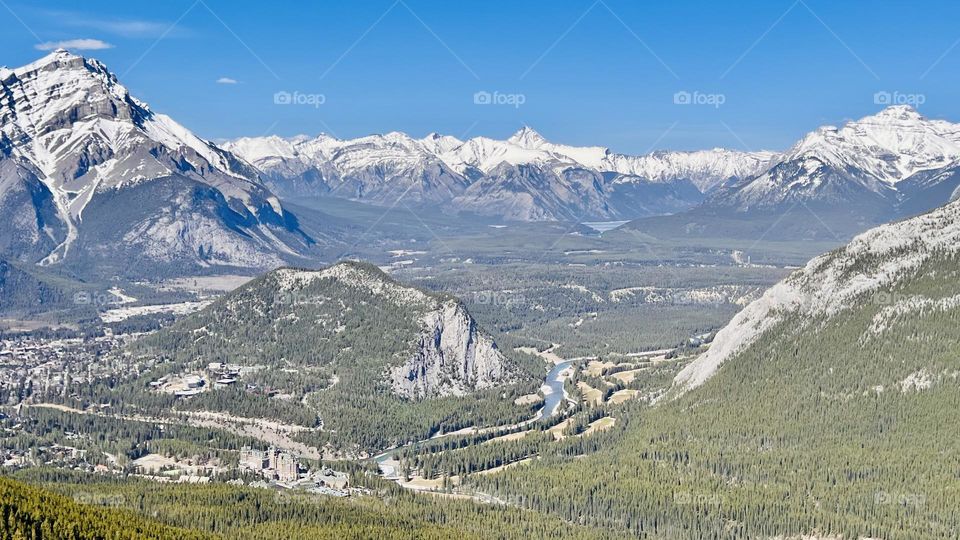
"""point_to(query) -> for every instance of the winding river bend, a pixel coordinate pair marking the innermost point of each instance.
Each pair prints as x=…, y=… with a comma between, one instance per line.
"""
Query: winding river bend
x=553, y=391
x=554, y=396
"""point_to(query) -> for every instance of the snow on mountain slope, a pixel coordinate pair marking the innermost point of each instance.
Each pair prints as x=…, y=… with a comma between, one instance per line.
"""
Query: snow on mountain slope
x=832, y=283
x=68, y=121
x=868, y=158
x=530, y=192
x=704, y=168
x=588, y=156
x=438, y=144
x=495, y=177
x=378, y=168
x=34, y=228
x=485, y=154
x=890, y=146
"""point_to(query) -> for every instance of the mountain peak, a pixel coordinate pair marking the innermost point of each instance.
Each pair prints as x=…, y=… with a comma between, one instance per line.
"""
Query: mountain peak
x=869, y=156
x=438, y=144
x=72, y=121
x=57, y=57
x=61, y=52
x=57, y=54
x=527, y=137
x=898, y=112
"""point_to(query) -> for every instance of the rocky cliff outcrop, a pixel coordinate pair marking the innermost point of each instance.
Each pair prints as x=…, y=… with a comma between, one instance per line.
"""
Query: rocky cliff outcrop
x=453, y=357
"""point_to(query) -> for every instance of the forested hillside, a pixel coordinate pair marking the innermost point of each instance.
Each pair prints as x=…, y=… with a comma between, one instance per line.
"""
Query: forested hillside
x=38, y=514
x=230, y=512
x=369, y=361
x=21, y=290
x=831, y=422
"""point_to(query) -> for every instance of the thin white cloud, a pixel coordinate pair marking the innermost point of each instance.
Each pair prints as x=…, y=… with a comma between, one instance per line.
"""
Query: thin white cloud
x=131, y=28
x=226, y=80
x=75, y=44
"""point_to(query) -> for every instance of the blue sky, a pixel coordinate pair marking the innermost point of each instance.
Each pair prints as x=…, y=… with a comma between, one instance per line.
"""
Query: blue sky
x=587, y=72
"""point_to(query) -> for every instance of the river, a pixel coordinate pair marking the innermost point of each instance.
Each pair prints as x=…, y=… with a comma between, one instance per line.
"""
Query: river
x=553, y=393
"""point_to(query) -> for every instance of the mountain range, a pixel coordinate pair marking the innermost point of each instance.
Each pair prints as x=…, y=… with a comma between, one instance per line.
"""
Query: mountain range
x=91, y=177
x=836, y=182
x=893, y=164
x=523, y=178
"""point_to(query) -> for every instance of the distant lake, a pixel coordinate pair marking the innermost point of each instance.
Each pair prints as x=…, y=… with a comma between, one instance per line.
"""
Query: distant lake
x=604, y=226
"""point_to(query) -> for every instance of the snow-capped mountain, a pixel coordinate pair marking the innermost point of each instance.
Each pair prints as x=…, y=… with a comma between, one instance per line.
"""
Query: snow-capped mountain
x=876, y=164
x=832, y=184
x=895, y=272
x=706, y=169
x=89, y=172
x=524, y=177
x=378, y=168
x=531, y=192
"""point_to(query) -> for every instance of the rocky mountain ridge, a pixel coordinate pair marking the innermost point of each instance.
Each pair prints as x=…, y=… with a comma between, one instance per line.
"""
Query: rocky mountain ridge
x=523, y=178
x=866, y=272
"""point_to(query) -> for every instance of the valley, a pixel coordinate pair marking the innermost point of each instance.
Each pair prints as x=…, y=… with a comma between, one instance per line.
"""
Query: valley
x=533, y=317
x=396, y=336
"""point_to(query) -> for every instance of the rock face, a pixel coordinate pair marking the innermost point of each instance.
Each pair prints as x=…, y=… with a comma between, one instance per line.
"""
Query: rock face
x=28, y=206
x=534, y=193
x=450, y=354
x=447, y=354
x=453, y=357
